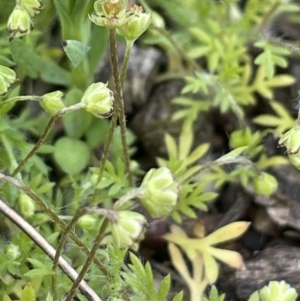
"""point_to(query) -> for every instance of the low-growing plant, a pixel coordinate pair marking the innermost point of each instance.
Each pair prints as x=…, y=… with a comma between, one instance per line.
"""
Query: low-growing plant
x=67, y=209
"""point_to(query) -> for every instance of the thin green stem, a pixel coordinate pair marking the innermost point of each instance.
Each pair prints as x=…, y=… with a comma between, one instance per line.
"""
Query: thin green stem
x=119, y=100
x=60, y=113
x=129, y=45
x=45, y=208
x=89, y=260
x=108, y=143
x=113, y=122
x=220, y=162
x=63, y=240
x=20, y=98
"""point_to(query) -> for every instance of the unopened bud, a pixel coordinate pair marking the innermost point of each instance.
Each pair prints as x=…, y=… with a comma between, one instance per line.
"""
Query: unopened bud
x=138, y=22
x=19, y=22
x=33, y=7
x=291, y=140
x=98, y=100
x=7, y=77
x=128, y=228
x=278, y=291
x=87, y=222
x=52, y=102
x=12, y=251
x=159, y=192
x=26, y=205
x=265, y=184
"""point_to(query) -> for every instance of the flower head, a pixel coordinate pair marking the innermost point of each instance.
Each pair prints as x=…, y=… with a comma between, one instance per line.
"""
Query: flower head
x=138, y=22
x=19, y=22
x=7, y=77
x=109, y=13
x=52, y=102
x=278, y=291
x=128, y=228
x=159, y=192
x=98, y=100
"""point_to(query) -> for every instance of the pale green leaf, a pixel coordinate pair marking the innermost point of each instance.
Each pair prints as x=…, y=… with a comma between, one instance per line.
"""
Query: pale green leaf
x=267, y=120
x=28, y=293
x=178, y=297
x=179, y=262
x=211, y=267
x=76, y=51
x=185, y=143
x=198, y=153
x=234, y=153
x=254, y=297
x=171, y=146
x=226, y=233
x=71, y=155
x=164, y=288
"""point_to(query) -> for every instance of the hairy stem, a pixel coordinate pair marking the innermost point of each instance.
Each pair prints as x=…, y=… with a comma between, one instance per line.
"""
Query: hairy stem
x=220, y=162
x=52, y=214
x=20, y=98
x=113, y=122
x=119, y=100
x=108, y=143
x=60, y=113
x=48, y=249
x=88, y=260
x=64, y=237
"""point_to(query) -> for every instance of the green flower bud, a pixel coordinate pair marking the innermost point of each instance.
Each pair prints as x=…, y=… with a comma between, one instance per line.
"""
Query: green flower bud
x=265, y=184
x=52, y=102
x=12, y=251
x=295, y=160
x=33, y=7
x=138, y=22
x=291, y=140
x=278, y=291
x=159, y=192
x=110, y=13
x=26, y=205
x=19, y=22
x=98, y=100
x=7, y=77
x=87, y=222
x=128, y=228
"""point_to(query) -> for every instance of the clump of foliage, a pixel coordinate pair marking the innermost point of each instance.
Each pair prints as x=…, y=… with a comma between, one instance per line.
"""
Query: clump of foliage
x=89, y=214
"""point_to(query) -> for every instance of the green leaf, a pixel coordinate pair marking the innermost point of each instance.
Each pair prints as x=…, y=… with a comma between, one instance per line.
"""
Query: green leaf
x=178, y=296
x=164, y=288
x=35, y=66
x=76, y=51
x=49, y=297
x=171, y=146
x=39, y=272
x=254, y=297
x=76, y=123
x=71, y=155
x=99, y=33
x=28, y=293
x=236, y=152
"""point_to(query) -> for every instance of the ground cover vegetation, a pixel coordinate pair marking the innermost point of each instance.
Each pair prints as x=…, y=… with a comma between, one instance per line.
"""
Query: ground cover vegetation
x=75, y=201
